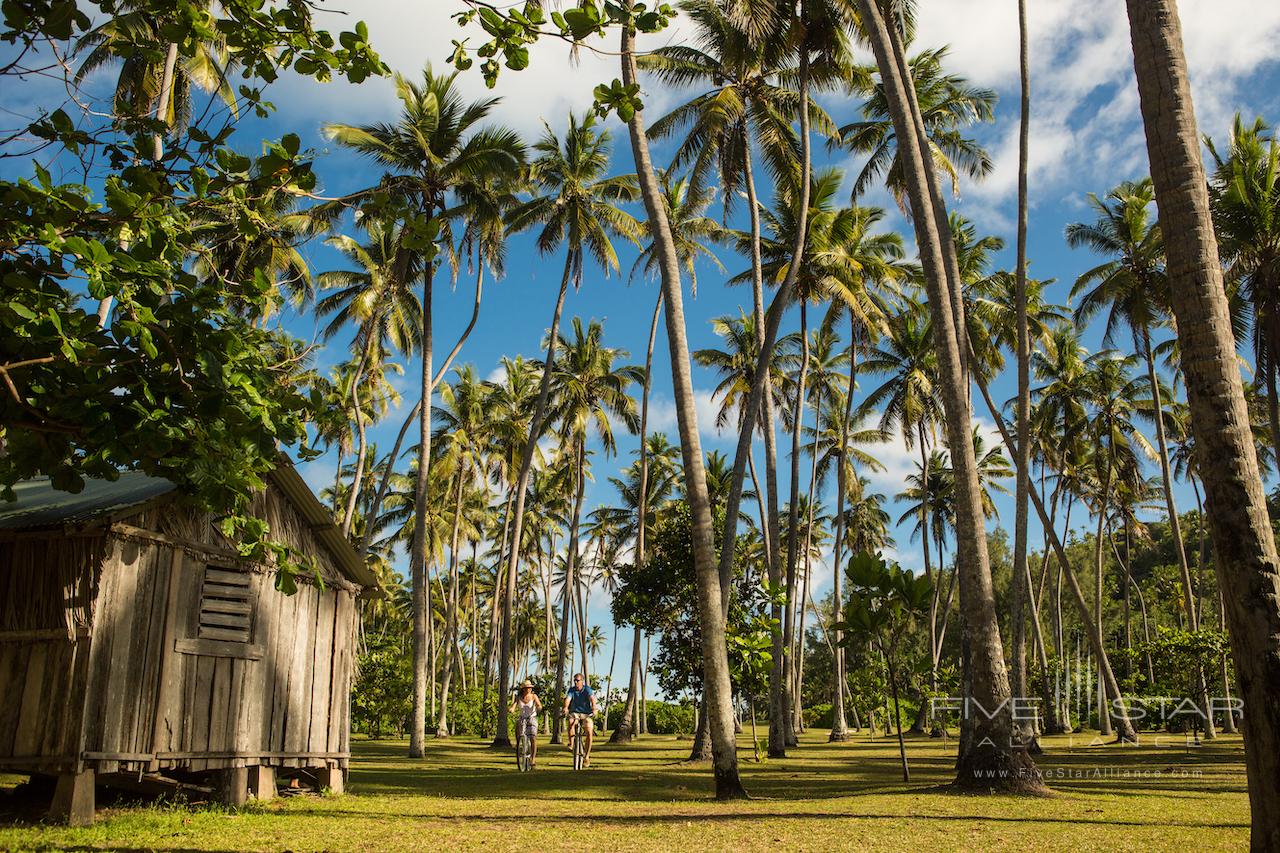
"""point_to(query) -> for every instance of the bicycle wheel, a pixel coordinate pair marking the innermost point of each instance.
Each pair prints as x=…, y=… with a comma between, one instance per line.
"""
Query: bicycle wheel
x=579, y=747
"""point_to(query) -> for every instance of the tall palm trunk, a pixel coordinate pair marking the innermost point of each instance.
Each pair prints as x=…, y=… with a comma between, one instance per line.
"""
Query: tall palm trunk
x=566, y=597
x=1021, y=576
x=793, y=528
x=501, y=737
x=418, y=554
x=608, y=681
x=1244, y=547
x=993, y=762
x=935, y=642
x=626, y=726
x=839, y=725
x=760, y=397
x=808, y=566
x=496, y=596
x=765, y=340
x=163, y=99
x=718, y=690
x=475, y=614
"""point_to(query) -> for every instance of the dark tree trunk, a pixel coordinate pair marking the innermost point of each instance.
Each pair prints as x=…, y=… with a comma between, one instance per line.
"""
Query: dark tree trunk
x=1244, y=546
x=718, y=689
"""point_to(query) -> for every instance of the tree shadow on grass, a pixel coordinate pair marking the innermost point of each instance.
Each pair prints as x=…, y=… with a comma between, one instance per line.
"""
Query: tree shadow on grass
x=741, y=817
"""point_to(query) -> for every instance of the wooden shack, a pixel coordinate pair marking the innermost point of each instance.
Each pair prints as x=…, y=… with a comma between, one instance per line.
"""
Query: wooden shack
x=134, y=640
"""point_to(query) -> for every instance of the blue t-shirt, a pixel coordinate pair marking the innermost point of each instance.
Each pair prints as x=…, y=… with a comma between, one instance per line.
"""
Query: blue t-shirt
x=580, y=700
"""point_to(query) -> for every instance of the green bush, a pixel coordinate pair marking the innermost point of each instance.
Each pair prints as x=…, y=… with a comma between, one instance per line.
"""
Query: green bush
x=382, y=695
x=469, y=714
x=818, y=716
x=665, y=718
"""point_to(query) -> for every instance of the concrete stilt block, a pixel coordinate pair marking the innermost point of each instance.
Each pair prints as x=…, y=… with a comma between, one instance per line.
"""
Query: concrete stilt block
x=262, y=782
x=233, y=786
x=73, y=801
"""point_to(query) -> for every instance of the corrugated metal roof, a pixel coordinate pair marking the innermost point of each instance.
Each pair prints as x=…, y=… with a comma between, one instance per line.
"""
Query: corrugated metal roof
x=39, y=504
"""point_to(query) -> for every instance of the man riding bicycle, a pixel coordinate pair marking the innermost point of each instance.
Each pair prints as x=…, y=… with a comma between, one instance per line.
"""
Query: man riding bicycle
x=580, y=707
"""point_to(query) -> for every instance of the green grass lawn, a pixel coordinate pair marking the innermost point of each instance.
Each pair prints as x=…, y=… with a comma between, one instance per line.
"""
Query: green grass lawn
x=641, y=797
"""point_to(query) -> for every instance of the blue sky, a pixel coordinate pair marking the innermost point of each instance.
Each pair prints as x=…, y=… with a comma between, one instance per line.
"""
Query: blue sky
x=1086, y=137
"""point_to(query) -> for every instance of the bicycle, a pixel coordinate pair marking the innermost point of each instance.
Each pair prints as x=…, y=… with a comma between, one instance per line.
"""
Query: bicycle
x=524, y=749
x=578, y=743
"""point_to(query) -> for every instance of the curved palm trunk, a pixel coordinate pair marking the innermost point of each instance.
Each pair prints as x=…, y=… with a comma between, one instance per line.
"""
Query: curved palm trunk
x=1104, y=719
x=808, y=567
x=1244, y=547
x=1166, y=482
x=451, y=604
x=495, y=597
x=165, y=96
x=626, y=726
x=385, y=483
x=418, y=553
x=935, y=640
x=501, y=737
x=718, y=690
x=992, y=758
x=357, y=477
x=1125, y=730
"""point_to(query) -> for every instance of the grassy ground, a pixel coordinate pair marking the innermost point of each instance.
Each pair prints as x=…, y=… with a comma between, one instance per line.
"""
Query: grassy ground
x=825, y=797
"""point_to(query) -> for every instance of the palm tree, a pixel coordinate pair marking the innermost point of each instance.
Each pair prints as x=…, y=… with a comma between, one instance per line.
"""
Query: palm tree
x=908, y=398
x=575, y=207
x=463, y=416
x=948, y=104
x=148, y=87
x=693, y=231
x=1244, y=546
x=1025, y=602
x=738, y=52
x=990, y=754
x=1132, y=287
x=1112, y=395
x=626, y=728
x=437, y=146
x=1246, y=213
x=712, y=598
x=384, y=310
x=588, y=390
x=840, y=256
x=237, y=250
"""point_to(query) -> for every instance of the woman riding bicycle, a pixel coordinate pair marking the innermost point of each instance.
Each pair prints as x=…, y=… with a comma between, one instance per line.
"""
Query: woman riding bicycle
x=527, y=707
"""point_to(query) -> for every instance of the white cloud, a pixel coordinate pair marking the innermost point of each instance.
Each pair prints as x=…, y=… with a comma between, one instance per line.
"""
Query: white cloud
x=1086, y=128
x=662, y=418
x=407, y=35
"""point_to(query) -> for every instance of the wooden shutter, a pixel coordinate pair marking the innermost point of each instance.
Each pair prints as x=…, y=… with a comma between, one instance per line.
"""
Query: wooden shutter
x=226, y=606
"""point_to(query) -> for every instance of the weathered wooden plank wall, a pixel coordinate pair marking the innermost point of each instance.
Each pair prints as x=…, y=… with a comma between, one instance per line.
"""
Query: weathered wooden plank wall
x=44, y=648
